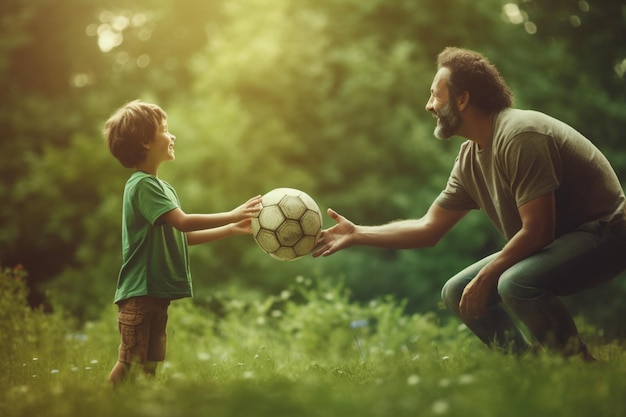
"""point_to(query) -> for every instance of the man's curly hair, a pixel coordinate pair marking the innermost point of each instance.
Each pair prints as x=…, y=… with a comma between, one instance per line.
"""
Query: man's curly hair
x=472, y=72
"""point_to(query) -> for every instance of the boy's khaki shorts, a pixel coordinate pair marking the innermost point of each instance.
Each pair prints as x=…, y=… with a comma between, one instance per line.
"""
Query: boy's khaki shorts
x=141, y=322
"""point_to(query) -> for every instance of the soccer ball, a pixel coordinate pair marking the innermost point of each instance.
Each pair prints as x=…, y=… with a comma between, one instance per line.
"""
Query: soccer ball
x=289, y=224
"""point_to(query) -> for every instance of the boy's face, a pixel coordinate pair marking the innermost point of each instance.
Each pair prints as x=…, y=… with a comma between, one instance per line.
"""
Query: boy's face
x=162, y=146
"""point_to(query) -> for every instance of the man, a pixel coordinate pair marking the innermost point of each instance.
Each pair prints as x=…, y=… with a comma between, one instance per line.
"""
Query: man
x=546, y=188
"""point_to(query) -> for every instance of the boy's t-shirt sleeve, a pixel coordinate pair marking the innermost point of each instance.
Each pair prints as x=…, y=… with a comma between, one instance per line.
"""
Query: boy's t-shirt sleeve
x=153, y=199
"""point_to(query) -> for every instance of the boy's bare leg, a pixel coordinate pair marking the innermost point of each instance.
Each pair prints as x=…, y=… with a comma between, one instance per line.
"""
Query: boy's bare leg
x=149, y=368
x=119, y=373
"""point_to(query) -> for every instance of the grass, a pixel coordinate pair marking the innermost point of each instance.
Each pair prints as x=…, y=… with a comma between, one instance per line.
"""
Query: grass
x=306, y=352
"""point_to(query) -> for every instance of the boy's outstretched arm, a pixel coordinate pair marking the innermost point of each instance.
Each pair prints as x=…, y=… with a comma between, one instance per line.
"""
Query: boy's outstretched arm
x=210, y=235
x=194, y=222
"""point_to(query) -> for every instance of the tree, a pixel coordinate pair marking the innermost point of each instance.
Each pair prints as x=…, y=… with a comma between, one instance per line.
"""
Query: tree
x=584, y=81
x=324, y=95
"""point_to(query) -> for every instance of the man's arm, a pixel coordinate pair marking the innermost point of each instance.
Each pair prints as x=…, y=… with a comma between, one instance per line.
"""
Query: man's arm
x=538, y=225
x=402, y=234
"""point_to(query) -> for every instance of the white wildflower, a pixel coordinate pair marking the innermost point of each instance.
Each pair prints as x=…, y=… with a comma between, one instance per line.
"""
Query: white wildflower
x=440, y=407
x=413, y=380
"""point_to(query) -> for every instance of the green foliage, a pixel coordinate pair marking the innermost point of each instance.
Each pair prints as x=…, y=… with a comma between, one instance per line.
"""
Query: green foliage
x=582, y=56
x=324, y=95
x=308, y=351
x=26, y=334
x=295, y=99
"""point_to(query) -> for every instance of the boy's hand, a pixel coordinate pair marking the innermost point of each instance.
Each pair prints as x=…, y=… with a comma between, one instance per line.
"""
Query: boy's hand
x=242, y=227
x=250, y=208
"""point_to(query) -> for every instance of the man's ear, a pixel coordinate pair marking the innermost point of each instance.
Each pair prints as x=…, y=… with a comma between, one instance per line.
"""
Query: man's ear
x=462, y=100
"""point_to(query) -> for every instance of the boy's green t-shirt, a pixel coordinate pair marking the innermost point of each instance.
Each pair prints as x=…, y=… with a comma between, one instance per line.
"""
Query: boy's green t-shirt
x=155, y=260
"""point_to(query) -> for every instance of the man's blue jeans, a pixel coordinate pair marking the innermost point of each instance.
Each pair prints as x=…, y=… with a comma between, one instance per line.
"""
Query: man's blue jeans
x=529, y=291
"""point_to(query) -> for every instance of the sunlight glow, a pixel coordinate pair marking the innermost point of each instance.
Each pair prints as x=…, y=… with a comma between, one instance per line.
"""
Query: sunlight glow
x=143, y=61
x=530, y=28
x=583, y=6
x=80, y=80
x=513, y=14
x=620, y=68
x=112, y=25
x=108, y=38
x=119, y=23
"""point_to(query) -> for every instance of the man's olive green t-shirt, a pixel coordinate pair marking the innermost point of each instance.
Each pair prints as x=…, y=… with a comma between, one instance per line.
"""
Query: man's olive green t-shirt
x=533, y=154
x=155, y=260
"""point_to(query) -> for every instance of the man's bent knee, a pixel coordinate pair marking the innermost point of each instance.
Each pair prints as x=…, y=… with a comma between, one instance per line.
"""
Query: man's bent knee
x=451, y=295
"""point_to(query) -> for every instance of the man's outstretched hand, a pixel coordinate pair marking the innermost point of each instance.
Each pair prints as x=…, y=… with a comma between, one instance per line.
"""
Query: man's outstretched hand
x=337, y=237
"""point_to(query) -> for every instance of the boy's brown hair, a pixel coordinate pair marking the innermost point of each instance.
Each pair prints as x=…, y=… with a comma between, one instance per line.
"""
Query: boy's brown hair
x=129, y=128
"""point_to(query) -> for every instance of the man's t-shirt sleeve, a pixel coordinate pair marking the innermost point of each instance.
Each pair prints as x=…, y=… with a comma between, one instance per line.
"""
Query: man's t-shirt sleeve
x=455, y=196
x=533, y=165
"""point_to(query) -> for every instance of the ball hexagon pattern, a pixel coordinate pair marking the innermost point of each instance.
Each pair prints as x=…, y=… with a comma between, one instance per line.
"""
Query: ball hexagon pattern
x=289, y=224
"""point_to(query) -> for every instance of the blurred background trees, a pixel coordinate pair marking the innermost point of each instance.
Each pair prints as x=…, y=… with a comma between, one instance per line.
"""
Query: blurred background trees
x=327, y=96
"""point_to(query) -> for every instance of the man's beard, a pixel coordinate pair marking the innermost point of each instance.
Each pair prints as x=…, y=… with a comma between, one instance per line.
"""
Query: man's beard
x=449, y=122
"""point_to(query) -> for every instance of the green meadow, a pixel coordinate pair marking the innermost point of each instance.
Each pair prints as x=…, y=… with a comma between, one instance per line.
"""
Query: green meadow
x=307, y=351
x=326, y=96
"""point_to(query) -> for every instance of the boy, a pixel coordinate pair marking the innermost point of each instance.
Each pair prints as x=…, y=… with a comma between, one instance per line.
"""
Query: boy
x=155, y=235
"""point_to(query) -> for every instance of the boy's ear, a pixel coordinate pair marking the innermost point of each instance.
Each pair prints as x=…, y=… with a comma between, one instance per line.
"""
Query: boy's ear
x=146, y=144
